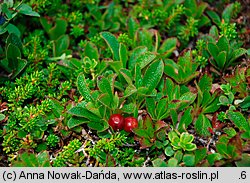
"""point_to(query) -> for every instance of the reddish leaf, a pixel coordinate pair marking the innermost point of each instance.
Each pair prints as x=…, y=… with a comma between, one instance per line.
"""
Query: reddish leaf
x=236, y=141
x=145, y=143
x=159, y=125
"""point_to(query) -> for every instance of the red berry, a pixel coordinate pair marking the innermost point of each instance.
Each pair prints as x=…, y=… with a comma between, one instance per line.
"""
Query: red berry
x=116, y=121
x=130, y=124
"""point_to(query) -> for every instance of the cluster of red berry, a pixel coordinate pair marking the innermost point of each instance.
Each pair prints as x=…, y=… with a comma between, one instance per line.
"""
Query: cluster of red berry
x=118, y=122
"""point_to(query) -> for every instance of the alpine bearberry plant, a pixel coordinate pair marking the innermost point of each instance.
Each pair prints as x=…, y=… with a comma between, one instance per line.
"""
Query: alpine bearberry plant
x=124, y=83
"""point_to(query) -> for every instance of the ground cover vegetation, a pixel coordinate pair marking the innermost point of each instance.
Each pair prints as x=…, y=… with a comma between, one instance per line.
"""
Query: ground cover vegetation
x=124, y=83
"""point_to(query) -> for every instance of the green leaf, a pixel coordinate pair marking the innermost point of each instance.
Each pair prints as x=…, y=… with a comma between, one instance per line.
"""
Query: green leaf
x=171, y=90
x=58, y=30
x=223, y=44
x=214, y=16
x=172, y=162
x=83, y=88
x=186, y=137
x=168, y=46
x=27, y=10
x=214, y=32
x=134, y=55
x=153, y=75
x=2, y=116
x=172, y=69
x=202, y=124
x=12, y=54
x=204, y=21
x=82, y=112
x=173, y=136
x=140, y=133
x=26, y=160
x=185, y=121
x=142, y=91
x=161, y=135
x=123, y=54
x=21, y=64
x=61, y=45
x=3, y=30
x=45, y=24
x=15, y=40
x=236, y=54
x=189, y=159
x=127, y=75
x=144, y=59
x=6, y=11
x=224, y=100
x=245, y=135
x=228, y=13
x=191, y=7
x=95, y=110
x=100, y=126
x=138, y=76
x=145, y=38
x=91, y=51
x=103, y=111
x=161, y=109
x=212, y=106
x=221, y=59
x=200, y=9
x=222, y=149
x=129, y=108
x=184, y=70
x=174, y=116
x=169, y=151
x=132, y=27
x=213, y=50
x=150, y=104
x=205, y=83
x=105, y=87
x=176, y=144
x=244, y=162
x=223, y=139
x=178, y=155
x=129, y=91
x=76, y=121
x=214, y=157
x=159, y=163
x=12, y=29
x=148, y=125
x=9, y=3
x=115, y=65
x=239, y=120
x=190, y=147
x=115, y=103
x=231, y=132
x=57, y=107
x=186, y=99
x=104, y=134
x=245, y=104
x=158, y=144
x=105, y=100
x=43, y=159
x=112, y=43
x=200, y=154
